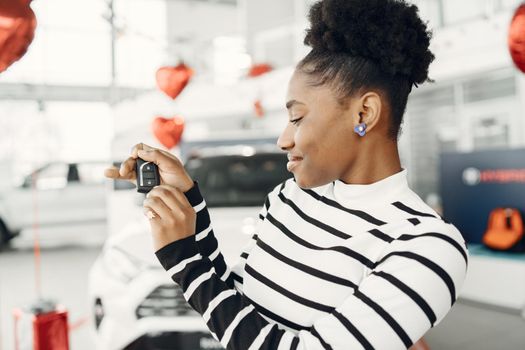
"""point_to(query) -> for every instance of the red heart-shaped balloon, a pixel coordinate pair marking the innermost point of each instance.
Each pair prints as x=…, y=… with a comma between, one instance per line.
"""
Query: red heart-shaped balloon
x=259, y=69
x=516, y=38
x=17, y=30
x=172, y=80
x=168, y=130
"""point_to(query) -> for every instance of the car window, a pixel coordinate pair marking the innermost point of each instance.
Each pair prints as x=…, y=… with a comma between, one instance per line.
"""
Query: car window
x=232, y=181
x=53, y=176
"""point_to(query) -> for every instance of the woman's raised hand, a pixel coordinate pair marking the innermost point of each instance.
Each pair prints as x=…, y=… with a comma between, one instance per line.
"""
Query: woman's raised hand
x=171, y=169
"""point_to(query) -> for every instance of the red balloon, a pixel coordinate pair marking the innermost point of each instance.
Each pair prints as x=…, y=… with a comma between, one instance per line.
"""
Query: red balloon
x=259, y=69
x=17, y=30
x=516, y=38
x=172, y=80
x=168, y=131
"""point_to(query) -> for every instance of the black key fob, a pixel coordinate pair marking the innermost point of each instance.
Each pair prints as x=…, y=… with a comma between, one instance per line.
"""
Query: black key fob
x=147, y=175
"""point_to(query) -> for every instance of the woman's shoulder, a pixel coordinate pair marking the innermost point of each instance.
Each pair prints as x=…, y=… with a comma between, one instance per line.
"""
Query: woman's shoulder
x=430, y=240
x=415, y=223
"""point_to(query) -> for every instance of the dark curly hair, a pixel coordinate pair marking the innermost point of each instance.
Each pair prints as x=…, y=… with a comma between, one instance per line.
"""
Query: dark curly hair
x=368, y=44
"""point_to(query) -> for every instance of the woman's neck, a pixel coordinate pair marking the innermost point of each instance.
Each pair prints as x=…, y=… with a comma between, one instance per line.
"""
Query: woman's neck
x=376, y=159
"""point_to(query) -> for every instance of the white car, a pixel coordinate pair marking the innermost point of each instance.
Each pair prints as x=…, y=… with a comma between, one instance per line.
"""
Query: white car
x=66, y=194
x=135, y=304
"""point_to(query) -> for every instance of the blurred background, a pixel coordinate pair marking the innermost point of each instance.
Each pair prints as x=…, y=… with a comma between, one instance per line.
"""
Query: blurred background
x=82, y=81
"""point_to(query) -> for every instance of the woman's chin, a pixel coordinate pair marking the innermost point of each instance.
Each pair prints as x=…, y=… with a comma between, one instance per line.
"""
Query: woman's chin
x=307, y=184
x=302, y=182
x=298, y=180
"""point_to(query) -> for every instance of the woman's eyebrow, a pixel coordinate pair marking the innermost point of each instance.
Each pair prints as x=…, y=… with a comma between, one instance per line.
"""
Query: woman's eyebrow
x=290, y=103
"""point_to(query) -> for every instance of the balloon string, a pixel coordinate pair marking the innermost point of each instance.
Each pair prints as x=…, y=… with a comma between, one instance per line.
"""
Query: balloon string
x=36, y=238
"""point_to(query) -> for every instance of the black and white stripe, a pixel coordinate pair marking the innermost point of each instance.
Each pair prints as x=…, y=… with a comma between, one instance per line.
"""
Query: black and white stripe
x=287, y=279
x=340, y=249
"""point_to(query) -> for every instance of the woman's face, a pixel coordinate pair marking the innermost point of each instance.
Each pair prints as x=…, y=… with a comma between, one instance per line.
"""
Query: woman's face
x=318, y=137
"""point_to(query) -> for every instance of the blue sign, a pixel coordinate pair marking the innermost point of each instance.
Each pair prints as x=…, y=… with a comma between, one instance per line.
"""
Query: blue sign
x=472, y=184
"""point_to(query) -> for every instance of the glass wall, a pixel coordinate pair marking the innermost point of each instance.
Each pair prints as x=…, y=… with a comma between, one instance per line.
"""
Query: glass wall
x=472, y=113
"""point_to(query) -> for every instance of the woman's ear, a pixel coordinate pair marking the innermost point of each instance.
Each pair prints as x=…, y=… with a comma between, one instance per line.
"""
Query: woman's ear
x=370, y=110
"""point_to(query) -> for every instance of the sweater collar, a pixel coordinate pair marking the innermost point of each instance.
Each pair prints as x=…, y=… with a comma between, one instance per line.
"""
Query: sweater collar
x=378, y=191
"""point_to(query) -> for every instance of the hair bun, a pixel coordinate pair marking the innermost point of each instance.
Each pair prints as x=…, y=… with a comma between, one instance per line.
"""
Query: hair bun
x=387, y=32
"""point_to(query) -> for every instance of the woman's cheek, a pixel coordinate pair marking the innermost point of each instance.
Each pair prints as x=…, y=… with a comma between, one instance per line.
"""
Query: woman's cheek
x=299, y=137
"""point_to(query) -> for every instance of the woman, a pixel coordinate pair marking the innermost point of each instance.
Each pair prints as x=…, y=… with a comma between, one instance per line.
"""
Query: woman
x=346, y=255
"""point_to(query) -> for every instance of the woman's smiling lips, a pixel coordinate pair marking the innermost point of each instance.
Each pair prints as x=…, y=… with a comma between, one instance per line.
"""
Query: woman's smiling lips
x=292, y=162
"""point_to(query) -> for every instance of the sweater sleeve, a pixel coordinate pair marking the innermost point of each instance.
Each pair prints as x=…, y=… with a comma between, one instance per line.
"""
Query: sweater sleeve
x=409, y=290
x=207, y=243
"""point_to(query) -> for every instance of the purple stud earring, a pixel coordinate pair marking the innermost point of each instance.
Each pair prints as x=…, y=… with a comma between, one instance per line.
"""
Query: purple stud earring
x=360, y=129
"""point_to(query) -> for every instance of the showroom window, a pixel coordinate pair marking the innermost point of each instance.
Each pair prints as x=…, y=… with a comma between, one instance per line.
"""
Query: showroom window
x=475, y=113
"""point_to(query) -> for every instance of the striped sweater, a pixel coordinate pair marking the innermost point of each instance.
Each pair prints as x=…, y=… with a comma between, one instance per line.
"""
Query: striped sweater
x=340, y=266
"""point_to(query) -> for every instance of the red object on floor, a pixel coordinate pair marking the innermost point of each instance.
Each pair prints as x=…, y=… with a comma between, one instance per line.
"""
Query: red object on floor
x=504, y=229
x=41, y=330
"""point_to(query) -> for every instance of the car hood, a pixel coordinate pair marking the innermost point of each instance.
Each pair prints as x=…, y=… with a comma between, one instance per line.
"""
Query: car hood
x=233, y=228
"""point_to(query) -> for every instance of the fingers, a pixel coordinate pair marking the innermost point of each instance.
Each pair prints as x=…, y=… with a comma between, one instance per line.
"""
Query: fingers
x=114, y=173
x=157, y=156
x=134, y=150
x=158, y=207
x=152, y=154
x=167, y=203
x=171, y=196
x=140, y=146
x=127, y=168
x=171, y=216
x=150, y=214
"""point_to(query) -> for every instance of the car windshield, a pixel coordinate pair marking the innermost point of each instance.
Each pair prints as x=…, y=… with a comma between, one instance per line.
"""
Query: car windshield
x=235, y=181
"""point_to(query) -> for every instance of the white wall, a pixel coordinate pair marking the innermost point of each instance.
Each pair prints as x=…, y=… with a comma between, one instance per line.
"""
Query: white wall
x=207, y=108
x=470, y=48
x=192, y=27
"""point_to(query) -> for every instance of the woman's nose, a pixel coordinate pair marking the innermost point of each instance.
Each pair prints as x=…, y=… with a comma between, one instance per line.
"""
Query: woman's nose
x=285, y=140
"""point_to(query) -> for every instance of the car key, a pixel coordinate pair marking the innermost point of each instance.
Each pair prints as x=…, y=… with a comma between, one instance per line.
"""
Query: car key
x=147, y=175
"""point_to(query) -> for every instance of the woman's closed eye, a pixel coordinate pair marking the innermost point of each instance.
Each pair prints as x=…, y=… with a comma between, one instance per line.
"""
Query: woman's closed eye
x=296, y=120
